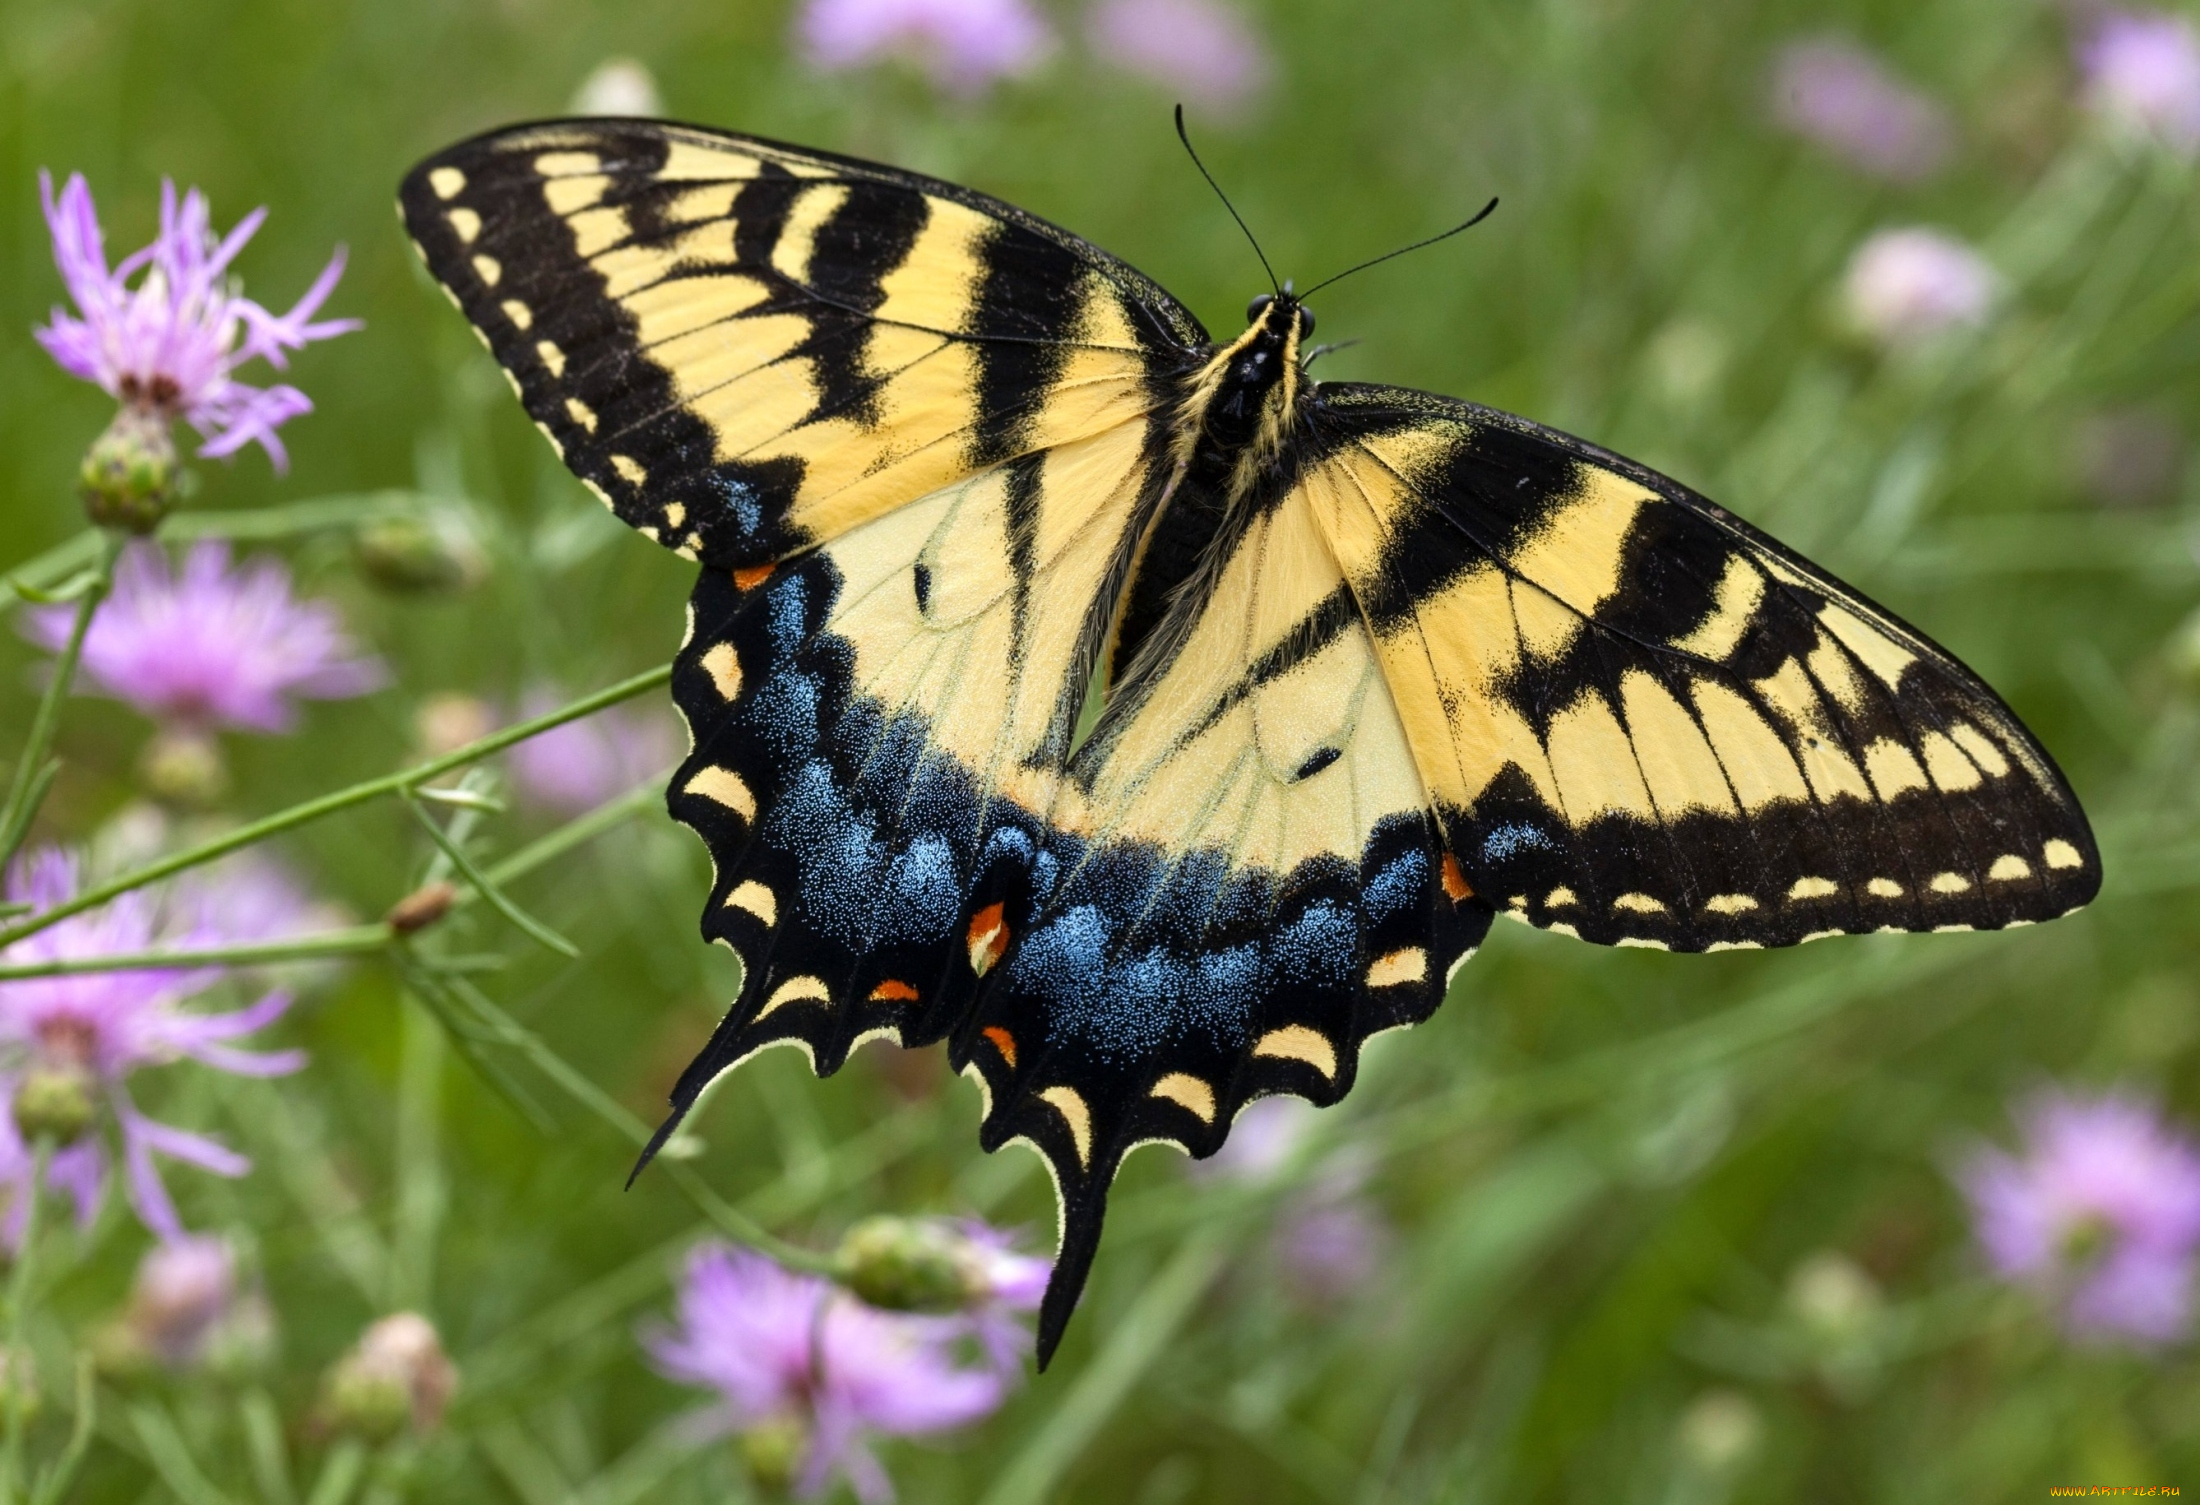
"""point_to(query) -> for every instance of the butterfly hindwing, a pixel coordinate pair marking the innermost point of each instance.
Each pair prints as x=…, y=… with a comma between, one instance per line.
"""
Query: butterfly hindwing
x=746, y=348
x=1644, y=722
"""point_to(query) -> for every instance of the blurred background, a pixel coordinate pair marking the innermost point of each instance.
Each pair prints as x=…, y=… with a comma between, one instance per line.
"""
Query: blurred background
x=1915, y=286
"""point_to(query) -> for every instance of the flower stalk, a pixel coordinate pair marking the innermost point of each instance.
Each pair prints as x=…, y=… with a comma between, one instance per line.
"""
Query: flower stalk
x=401, y=782
x=19, y=1296
x=34, y=770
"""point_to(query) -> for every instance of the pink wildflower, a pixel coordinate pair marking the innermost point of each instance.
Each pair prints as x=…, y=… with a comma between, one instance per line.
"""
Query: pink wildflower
x=1906, y=286
x=1837, y=94
x=793, y=1352
x=963, y=45
x=2142, y=73
x=105, y=1025
x=1198, y=48
x=209, y=646
x=2100, y=1212
x=171, y=345
x=579, y=765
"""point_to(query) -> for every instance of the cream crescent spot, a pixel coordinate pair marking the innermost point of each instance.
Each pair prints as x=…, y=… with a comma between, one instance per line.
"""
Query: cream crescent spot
x=1409, y=964
x=582, y=413
x=1730, y=903
x=520, y=314
x=757, y=900
x=1296, y=1042
x=1067, y=1102
x=467, y=224
x=803, y=989
x=487, y=269
x=722, y=786
x=1949, y=883
x=629, y=469
x=2008, y=868
x=2061, y=854
x=1883, y=888
x=1814, y=888
x=1639, y=904
x=1189, y=1093
x=446, y=181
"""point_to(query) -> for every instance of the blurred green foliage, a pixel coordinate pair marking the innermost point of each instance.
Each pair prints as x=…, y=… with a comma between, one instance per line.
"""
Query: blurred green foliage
x=1614, y=1176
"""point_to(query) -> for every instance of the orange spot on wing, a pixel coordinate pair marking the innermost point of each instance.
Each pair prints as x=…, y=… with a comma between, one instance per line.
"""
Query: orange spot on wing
x=1003, y=1041
x=893, y=990
x=988, y=938
x=1455, y=882
x=749, y=579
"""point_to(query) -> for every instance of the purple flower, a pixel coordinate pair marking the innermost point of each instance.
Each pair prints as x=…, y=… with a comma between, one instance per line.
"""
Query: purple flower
x=2100, y=1212
x=1906, y=286
x=1331, y=1247
x=2142, y=73
x=1197, y=48
x=172, y=343
x=964, y=45
x=579, y=765
x=210, y=646
x=1837, y=94
x=793, y=1351
x=1005, y=1284
x=102, y=1026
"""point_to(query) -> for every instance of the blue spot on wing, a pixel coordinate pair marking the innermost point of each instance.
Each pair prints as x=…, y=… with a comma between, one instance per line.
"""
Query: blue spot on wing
x=1508, y=839
x=1400, y=884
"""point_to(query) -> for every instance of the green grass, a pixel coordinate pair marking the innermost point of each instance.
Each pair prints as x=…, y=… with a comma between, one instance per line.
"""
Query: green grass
x=1602, y=1168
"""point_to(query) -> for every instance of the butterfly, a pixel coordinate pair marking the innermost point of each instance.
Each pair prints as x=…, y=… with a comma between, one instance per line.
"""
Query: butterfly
x=1372, y=667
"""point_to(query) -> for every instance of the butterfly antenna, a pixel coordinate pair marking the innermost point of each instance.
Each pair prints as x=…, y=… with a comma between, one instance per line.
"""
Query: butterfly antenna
x=1487, y=210
x=1217, y=187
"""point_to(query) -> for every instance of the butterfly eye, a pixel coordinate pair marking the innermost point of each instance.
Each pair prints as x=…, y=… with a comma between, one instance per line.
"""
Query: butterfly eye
x=1306, y=322
x=1257, y=307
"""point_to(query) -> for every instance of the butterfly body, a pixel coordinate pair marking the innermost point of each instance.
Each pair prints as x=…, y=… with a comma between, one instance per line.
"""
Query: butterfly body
x=1374, y=666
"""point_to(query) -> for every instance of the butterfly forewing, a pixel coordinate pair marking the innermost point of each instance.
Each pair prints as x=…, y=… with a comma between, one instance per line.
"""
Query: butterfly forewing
x=1643, y=722
x=747, y=348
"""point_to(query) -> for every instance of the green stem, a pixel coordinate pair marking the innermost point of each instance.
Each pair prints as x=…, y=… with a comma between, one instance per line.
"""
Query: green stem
x=730, y=1220
x=19, y=1297
x=319, y=514
x=26, y=790
x=349, y=942
x=330, y=804
x=340, y=1474
x=357, y=939
x=53, y=1484
x=481, y=884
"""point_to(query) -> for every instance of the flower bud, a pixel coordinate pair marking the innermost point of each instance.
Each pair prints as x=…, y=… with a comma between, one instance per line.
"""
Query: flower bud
x=184, y=1288
x=397, y=1374
x=130, y=476
x=421, y=908
x=1832, y=1297
x=908, y=1265
x=772, y=1452
x=1719, y=1431
x=55, y=1102
x=416, y=554
x=184, y=766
